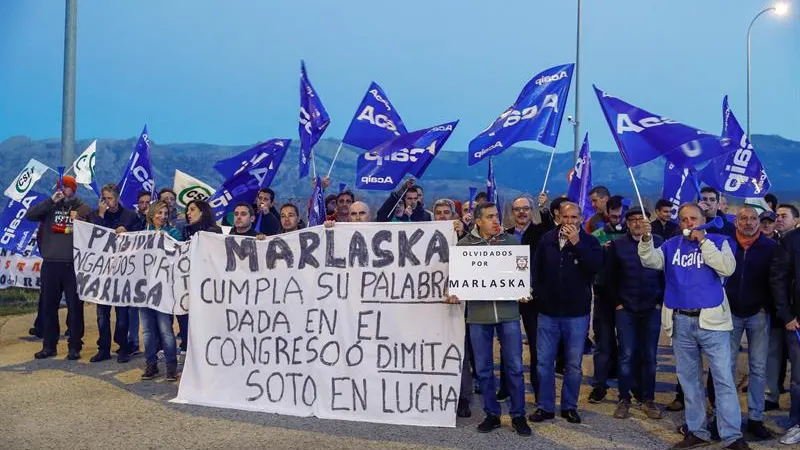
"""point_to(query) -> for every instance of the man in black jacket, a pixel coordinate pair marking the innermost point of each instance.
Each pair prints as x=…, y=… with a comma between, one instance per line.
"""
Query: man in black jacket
x=564, y=266
x=663, y=224
x=637, y=294
x=785, y=284
x=748, y=295
x=111, y=214
x=710, y=207
x=413, y=211
x=56, y=216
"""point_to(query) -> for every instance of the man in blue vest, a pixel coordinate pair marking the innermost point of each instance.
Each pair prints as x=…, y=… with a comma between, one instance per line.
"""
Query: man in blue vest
x=697, y=316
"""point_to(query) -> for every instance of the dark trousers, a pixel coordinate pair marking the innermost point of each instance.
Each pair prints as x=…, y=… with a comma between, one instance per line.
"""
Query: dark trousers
x=605, y=338
x=59, y=278
x=38, y=323
x=530, y=319
x=638, y=344
x=104, y=329
x=183, y=331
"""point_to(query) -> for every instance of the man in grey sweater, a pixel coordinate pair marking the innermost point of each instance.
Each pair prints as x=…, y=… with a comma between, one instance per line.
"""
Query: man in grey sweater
x=56, y=216
x=483, y=318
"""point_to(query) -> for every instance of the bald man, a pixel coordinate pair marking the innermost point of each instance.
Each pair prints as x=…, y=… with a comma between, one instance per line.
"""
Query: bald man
x=359, y=212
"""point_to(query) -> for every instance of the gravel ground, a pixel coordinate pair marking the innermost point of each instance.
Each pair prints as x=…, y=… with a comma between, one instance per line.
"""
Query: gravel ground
x=64, y=404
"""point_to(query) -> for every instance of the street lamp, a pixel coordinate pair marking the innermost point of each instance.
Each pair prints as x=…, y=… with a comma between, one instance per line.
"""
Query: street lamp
x=68, y=90
x=780, y=9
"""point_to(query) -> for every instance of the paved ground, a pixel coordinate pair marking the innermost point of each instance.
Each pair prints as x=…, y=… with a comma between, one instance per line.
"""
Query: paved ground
x=74, y=404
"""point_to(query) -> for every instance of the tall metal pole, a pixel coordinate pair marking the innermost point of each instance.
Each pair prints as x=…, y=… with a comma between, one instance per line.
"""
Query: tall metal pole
x=749, y=29
x=68, y=96
x=577, y=124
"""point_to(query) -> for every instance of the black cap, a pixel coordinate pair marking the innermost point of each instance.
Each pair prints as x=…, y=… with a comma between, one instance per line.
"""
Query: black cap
x=636, y=210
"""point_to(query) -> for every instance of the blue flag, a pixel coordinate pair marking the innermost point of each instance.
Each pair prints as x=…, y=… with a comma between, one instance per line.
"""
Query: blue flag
x=643, y=136
x=138, y=175
x=313, y=120
x=534, y=116
x=243, y=186
x=273, y=148
x=387, y=164
x=316, y=211
x=473, y=191
x=17, y=231
x=680, y=186
x=376, y=121
x=580, y=180
x=491, y=185
x=739, y=173
x=342, y=187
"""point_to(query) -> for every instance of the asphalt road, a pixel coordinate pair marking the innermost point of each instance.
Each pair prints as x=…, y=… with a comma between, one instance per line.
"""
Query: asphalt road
x=63, y=404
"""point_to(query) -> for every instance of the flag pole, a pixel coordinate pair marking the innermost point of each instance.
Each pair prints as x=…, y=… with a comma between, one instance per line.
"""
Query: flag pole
x=313, y=163
x=549, y=166
x=397, y=203
x=330, y=169
x=638, y=195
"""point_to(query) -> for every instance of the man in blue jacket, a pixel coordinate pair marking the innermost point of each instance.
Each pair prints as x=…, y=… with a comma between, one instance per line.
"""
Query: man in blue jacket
x=564, y=266
x=697, y=316
x=637, y=294
x=748, y=291
x=111, y=214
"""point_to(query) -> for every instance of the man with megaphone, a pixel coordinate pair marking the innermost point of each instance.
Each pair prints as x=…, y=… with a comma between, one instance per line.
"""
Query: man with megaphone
x=697, y=316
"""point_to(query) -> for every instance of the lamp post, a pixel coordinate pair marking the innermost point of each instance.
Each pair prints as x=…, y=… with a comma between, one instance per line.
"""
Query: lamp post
x=576, y=121
x=68, y=92
x=779, y=9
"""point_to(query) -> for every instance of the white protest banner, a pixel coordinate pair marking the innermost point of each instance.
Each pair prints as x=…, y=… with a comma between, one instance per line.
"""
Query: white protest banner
x=490, y=272
x=340, y=323
x=19, y=270
x=25, y=180
x=140, y=269
x=188, y=188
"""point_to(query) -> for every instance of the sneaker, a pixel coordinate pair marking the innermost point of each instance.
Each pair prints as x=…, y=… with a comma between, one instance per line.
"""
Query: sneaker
x=150, y=372
x=739, y=444
x=571, y=415
x=541, y=415
x=623, y=409
x=676, y=405
x=690, y=441
x=771, y=406
x=102, y=356
x=758, y=430
x=503, y=395
x=520, y=425
x=597, y=395
x=651, y=410
x=463, y=409
x=792, y=436
x=172, y=372
x=489, y=423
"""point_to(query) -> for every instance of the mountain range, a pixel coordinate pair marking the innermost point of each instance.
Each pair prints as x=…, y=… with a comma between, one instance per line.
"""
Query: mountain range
x=517, y=170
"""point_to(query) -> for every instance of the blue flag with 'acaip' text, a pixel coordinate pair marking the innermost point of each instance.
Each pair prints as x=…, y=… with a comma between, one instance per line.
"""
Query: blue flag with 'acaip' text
x=535, y=115
x=739, y=173
x=580, y=180
x=642, y=136
x=274, y=148
x=384, y=166
x=491, y=185
x=138, y=175
x=18, y=231
x=376, y=121
x=313, y=120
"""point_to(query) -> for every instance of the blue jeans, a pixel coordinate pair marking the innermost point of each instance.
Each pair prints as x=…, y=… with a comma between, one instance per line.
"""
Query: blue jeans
x=757, y=328
x=638, y=334
x=688, y=340
x=157, y=325
x=133, y=328
x=793, y=343
x=510, y=336
x=551, y=331
x=104, y=329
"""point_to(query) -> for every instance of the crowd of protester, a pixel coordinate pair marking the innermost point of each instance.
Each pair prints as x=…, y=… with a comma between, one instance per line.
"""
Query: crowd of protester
x=624, y=271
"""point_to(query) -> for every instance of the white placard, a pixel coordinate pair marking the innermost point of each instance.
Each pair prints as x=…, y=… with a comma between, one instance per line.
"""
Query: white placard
x=499, y=272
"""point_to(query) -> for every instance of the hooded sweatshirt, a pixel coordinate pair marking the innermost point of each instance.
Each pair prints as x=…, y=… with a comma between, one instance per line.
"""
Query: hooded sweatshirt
x=56, y=222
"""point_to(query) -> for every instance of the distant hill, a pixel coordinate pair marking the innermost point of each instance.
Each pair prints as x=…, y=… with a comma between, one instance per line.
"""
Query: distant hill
x=517, y=170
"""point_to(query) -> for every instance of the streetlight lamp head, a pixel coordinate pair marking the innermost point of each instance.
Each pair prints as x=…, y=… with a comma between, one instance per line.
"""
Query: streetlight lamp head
x=781, y=8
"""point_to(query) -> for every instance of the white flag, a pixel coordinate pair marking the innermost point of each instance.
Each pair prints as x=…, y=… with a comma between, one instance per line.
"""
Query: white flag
x=189, y=188
x=758, y=203
x=84, y=165
x=25, y=180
